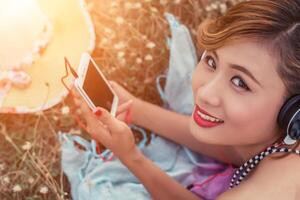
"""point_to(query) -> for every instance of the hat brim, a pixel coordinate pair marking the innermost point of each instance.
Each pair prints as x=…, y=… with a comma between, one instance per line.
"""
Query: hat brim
x=73, y=34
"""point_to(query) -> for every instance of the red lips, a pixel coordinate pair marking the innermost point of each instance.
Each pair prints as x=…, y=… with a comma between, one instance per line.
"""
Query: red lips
x=202, y=122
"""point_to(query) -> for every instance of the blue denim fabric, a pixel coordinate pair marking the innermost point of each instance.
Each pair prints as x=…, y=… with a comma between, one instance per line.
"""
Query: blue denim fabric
x=92, y=179
x=183, y=60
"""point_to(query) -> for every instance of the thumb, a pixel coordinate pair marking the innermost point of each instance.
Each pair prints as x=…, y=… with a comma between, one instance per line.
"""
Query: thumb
x=124, y=107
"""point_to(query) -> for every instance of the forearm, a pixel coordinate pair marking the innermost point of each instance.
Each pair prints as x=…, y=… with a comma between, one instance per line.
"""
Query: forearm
x=157, y=182
x=166, y=123
x=175, y=127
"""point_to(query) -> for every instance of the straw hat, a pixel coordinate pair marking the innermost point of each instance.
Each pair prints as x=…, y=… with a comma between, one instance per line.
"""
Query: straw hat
x=72, y=33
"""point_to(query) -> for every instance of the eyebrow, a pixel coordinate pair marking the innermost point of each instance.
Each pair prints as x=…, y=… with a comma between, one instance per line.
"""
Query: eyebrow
x=240, y=68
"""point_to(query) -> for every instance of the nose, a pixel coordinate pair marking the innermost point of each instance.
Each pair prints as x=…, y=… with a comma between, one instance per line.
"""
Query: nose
x=209, y=93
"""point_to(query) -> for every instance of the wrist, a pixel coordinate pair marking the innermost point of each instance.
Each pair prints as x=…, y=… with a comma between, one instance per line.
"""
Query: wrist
x=135, y=157
x=137, y=106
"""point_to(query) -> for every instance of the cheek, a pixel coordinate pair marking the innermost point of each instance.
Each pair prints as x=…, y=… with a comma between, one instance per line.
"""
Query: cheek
x=249, y=114
x=196, y=79
x=258, y=121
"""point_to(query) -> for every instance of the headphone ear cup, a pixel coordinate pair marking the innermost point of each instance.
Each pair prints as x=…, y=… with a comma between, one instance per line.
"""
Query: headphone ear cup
x=294, y=131
x=289, y=114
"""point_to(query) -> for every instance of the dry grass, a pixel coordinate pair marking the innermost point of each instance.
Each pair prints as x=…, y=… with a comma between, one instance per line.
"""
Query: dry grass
x=131, y=48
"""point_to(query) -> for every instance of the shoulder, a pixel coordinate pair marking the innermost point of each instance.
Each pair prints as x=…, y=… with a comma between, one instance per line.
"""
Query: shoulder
x=272, y=179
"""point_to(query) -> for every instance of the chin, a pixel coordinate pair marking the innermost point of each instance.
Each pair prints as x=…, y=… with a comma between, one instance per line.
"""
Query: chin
x=198, y=133
x=205, y=135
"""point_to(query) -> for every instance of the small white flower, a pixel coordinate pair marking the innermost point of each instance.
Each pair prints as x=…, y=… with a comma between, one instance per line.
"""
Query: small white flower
x=104, y=41
x=121, y=54
x=208, y=8
x=163, y=2
x=30, y=180
x=75, y=131
x=2, y=166
x=65, y=110
x=7, y=138
x=17, y=188
x=223, y=8
x=44, y=190
x=150, y=45
x=120, y=45
x=6, y=180
x=214, y=6
x=114, y=4
x=148, y=57
x=138, y=60
x=108, y=30
x=55, y=118
x=26, y=146
x=120, y=20
x=128, y=5
x=137, y=5
x=154, y=10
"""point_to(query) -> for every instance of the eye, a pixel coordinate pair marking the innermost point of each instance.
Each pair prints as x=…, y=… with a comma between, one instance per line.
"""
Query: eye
x=239, y=82
x=209, y=60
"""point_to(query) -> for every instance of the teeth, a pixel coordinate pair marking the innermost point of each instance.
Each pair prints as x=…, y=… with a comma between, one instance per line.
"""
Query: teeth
x=208, y=118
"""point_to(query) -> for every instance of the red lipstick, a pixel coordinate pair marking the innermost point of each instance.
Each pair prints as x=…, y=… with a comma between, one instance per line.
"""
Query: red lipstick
x=203, y=122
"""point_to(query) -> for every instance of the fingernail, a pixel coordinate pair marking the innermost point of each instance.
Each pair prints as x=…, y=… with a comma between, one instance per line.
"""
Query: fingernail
x=98, y=112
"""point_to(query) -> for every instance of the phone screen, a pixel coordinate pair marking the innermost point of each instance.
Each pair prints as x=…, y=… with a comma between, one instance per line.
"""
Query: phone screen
x=97, y=89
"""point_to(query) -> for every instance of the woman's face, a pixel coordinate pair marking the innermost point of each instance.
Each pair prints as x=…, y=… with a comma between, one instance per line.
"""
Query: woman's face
x=239, y=86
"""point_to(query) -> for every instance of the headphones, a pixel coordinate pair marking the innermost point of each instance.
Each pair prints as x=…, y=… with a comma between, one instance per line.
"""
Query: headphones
x=289, y=119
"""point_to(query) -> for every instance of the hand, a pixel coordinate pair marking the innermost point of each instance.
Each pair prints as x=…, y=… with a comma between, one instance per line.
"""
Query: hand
x=114, y=134
x=107, y=130
x=124, y=98
x=121, y=92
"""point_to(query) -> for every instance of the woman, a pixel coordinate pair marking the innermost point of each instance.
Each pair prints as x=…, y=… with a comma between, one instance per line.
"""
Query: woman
x=250, y=68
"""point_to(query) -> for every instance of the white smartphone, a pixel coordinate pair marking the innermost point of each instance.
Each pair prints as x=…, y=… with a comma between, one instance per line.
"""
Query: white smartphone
x=94, y=87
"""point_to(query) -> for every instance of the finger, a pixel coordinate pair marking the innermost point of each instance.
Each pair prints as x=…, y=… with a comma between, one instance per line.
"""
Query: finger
x=75, y=93
x=124, y=107
x=121, y=116
x=126, y=116
x=106, y=118
x=81, y=104
x=80, y=101
x=77, y=102
x=99, y=132
x=83, y=108
x=116, y=87
x=112, y=83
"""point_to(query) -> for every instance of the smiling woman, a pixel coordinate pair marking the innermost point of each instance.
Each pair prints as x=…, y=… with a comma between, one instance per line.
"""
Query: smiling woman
x=239, y=99
x=248, y=77
x=247, y=106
